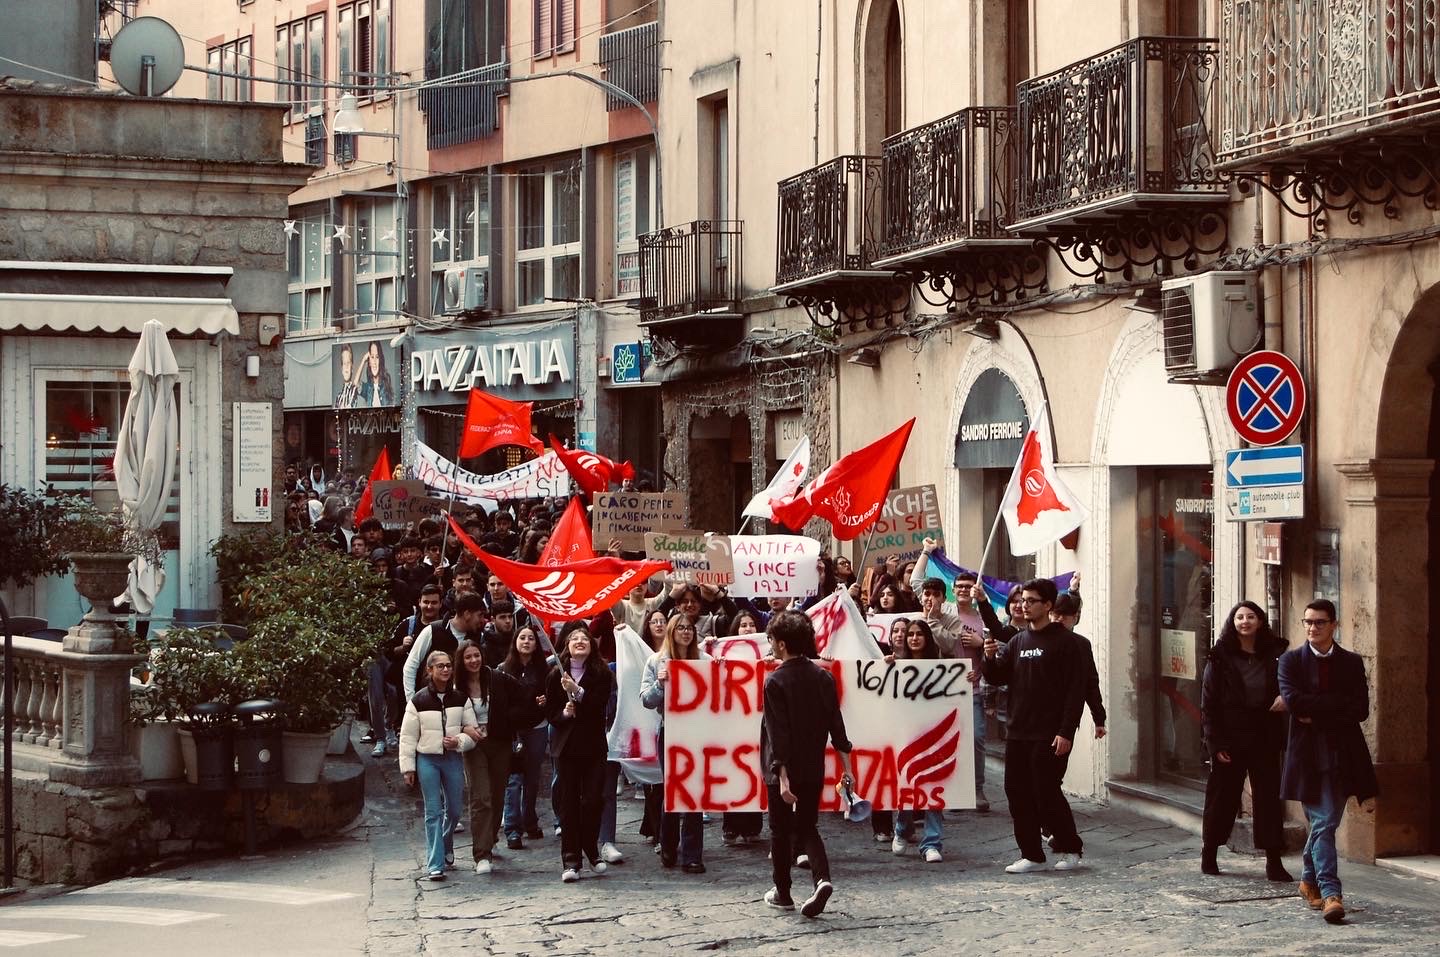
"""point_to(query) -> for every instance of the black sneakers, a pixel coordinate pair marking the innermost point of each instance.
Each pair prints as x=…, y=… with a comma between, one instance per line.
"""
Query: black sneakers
x=816, y=902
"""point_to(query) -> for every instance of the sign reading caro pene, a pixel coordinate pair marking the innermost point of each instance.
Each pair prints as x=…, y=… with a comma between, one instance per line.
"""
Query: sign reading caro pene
x=628, y=516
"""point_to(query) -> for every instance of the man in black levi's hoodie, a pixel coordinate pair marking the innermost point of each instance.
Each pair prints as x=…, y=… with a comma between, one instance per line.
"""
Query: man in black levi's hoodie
x=1044, y=668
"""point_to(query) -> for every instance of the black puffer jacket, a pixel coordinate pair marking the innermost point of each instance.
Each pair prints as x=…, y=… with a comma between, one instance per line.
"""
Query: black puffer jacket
x=1223, y=714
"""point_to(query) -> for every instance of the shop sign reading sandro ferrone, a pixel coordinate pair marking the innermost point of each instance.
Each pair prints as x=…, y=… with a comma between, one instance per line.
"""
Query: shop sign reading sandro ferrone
x=517, y=364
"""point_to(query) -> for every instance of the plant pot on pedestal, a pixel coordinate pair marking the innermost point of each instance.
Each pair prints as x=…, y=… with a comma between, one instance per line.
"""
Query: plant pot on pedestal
x=99, y=578
x=303, y=755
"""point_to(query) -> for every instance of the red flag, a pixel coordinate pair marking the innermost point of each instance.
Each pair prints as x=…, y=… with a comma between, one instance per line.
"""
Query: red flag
x=568, y=591
x=591, y=471
x=570, y=542
x=850, y=493
x=1038, y=507
x=382, y=472
x=491, y=421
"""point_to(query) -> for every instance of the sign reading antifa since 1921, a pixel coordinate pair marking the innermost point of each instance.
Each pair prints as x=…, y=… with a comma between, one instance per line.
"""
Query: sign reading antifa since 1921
x=910, y=723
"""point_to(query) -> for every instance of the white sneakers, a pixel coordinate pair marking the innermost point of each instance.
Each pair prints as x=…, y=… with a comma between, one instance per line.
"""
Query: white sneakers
x=881, y=838
x=773, y=899
x=1027, y=866
x=570, y=875
x=610, y=854
x=599, y=867
x=1068, y=862
x=932, y=855
x=897, y=845
x=483, y=866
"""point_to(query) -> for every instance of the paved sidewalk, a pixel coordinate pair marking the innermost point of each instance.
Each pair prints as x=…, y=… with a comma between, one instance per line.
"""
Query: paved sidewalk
x=1140, y=893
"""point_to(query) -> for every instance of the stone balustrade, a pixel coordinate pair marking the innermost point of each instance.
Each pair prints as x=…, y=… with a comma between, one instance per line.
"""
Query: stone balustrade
x=38, y=669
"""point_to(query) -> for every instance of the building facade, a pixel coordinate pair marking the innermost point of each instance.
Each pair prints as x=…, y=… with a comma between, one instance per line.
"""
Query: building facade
x=982, y=212
x=472, y=217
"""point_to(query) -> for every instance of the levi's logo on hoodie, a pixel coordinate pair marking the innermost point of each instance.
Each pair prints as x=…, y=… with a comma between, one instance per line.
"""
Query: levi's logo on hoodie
x=1031, y=653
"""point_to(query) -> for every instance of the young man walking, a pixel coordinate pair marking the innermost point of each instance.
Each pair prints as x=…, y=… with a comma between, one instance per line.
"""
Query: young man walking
x=1327, y=759
x=1043, y=666
x=802, y=712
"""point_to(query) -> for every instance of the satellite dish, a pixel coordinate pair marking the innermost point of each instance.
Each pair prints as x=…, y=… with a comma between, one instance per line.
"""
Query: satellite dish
x=147, y=56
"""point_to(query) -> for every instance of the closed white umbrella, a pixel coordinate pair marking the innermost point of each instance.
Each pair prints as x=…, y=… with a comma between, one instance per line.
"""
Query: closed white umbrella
x=145, y=454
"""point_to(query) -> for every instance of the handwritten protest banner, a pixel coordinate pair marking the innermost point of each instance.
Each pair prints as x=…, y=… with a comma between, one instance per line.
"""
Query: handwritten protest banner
x=910, y=515
x=634, y=735
x=392, y=500
x=909, y=722
x=695, y=557
x=840, y=630
x=541, y=477
x=628, y=516
x=769, y=566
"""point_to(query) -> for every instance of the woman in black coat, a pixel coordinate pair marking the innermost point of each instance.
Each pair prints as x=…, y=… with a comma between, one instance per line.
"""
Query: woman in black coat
x=1242, y=714
x=576, y=696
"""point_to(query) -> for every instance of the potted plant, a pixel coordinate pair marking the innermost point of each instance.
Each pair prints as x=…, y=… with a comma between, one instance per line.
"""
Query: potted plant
x=26, y=521
x=189, y=670
x=154, y=735
x=99, y=546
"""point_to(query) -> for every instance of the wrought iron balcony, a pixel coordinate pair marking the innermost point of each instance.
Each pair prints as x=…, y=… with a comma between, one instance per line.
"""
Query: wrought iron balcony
x=464, y=107
x=1332, y=105
x=631, y=59
x=1305, y=75
x=950, y=185
x=1124, y=131
x=691, y=272
x=829, y=223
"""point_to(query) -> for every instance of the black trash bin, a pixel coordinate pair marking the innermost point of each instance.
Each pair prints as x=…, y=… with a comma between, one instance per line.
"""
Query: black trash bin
x=214, y=745
x=257, y=743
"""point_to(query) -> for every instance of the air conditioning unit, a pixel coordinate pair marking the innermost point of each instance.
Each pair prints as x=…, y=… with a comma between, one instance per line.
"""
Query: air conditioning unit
x=1207, y=323
x=467, y=289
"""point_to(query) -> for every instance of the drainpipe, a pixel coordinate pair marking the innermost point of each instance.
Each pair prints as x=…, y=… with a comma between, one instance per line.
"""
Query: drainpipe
x=1269, y=228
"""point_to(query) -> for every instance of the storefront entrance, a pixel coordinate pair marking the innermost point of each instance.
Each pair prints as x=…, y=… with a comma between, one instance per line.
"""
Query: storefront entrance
x=1175, y=619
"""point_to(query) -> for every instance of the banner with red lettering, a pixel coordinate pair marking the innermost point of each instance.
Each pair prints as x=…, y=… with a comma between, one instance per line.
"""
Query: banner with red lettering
x=910, y=723
x=774, y=566
x=634, y=735
x=840, y=629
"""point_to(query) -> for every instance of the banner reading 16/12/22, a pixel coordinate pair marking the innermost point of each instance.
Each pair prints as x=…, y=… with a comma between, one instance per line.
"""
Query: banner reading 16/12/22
x=910, y=723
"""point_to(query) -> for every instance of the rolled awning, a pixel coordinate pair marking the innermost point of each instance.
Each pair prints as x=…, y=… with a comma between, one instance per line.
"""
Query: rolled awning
x=61, y=312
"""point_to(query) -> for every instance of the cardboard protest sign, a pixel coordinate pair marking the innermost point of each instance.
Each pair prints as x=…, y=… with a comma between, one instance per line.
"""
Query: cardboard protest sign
x=433, y=506
x=629, y=515
x=770, y=566
x=910, y=516
x=695, y=557
x=910, y=723
x=390, y=501
x=634, y=736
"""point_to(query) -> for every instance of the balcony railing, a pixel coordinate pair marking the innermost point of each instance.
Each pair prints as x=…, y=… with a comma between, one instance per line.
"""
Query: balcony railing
x=1126, y=128
x=829, y=219
x=631, y=59
x=464, y=107
x=1313, y=71
x=690, y=270
x=949, y=182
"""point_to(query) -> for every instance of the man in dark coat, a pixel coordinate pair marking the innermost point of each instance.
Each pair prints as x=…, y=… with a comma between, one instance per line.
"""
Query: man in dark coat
x=1327, y=760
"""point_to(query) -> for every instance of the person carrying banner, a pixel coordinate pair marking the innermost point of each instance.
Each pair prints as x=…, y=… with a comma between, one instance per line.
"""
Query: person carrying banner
x=683, y=829
x=920, y=645
x=801, y=711
x=1042, y=665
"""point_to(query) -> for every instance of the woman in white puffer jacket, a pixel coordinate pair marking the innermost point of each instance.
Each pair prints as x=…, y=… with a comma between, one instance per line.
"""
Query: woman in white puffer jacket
x=432, y=738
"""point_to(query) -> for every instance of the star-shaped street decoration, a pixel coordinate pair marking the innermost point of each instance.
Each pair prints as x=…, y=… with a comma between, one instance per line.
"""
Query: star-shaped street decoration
x=342, y=233
x=438, y=237
x=389, y=236
x=291, y=229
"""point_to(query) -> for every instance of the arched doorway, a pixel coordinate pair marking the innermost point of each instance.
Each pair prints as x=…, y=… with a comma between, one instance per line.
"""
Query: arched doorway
x=882, y=68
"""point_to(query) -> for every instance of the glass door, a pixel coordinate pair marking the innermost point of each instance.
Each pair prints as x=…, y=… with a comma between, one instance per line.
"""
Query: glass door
x=1176, y=619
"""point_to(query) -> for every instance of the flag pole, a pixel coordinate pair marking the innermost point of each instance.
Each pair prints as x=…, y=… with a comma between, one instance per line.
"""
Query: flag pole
x=865, y=552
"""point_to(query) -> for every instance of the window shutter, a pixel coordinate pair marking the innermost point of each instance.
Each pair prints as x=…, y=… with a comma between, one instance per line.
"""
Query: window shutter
x=565, y=26
x=544, y=29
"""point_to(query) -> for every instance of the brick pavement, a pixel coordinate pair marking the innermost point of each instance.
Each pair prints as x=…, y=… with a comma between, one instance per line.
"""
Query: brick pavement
x=1140, y=893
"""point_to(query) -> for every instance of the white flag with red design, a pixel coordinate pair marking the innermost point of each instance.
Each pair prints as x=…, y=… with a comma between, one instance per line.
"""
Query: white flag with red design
x=786, y=482
x=840, y=629
x=1038, y=507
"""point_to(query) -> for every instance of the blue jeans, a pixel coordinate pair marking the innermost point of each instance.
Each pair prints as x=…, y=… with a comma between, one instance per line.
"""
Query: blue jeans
x=934, y=828
x=522, y=789
x=607, y=813
x=1318, y=863
x=442, y=783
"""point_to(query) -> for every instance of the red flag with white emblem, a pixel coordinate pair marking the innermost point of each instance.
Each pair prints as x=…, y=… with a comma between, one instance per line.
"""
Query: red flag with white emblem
x=491, y=422
x=570, y=541
x=1038, y=507
x=849, y=493
x=380, y=473
x=592, y=471
x=568, y=591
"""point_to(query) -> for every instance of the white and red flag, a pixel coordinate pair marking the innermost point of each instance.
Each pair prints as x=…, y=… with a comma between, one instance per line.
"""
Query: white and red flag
x=1038, y=507
x=786, y=482
x=379, y=473
x=592, y=471
x=570, y=541
x=491, y=422
x=850, y=493
x=565, y=592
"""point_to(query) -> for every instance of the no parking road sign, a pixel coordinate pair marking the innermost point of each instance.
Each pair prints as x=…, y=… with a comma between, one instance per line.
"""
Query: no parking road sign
x=1265, y=397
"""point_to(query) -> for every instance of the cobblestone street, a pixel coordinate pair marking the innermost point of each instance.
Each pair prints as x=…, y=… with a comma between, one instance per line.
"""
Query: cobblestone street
x=1140, y=893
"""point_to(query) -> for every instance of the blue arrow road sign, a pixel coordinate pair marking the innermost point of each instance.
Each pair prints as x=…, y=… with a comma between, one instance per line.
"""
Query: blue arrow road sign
x=1275, y=465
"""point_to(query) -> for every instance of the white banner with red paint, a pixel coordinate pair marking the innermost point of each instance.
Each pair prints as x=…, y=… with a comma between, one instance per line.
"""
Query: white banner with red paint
x=541, y=477
x=910, y=723
x=634, y=735
x=840, y=629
